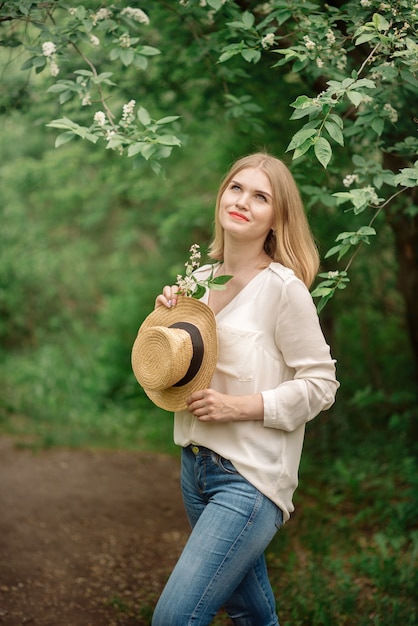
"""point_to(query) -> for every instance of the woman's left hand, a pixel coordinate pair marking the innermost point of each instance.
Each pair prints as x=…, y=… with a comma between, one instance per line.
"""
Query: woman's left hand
x=209, y=405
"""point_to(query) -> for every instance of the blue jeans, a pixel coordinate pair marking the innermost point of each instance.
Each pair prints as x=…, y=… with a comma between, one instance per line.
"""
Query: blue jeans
x=222, y=564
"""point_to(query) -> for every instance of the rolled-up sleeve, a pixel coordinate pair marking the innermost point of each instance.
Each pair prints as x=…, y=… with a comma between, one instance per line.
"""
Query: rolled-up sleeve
x=312, y=383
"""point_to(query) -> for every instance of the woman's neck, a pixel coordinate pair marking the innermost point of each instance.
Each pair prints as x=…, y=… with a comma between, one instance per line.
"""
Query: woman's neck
x=243, y=261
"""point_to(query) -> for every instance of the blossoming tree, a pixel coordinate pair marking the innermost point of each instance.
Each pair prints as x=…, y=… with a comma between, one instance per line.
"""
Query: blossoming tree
x=355, y=65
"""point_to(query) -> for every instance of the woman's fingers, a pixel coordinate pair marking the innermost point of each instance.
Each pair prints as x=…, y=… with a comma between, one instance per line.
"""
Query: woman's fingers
x=168, y=297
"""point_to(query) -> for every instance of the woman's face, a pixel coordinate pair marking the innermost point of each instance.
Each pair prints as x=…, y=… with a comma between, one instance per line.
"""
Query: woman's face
x=246, y=206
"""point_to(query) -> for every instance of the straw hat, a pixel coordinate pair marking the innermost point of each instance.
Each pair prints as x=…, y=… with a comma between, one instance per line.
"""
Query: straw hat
x=175, y=352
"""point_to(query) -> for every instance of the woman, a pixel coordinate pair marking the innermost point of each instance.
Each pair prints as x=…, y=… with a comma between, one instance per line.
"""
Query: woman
x=242, y=438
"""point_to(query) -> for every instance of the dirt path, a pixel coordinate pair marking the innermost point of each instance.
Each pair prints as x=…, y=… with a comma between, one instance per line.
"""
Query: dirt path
x=86, y=538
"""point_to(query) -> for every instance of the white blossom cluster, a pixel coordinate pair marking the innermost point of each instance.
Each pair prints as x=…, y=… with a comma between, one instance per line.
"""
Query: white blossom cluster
x=188, y=284
x=373, y=197
x=100, y=118
x=391, y=112
x=128, y=113
x=102, y=14
x=49, y=51
x=309, y=44
x=350, y=179
x=267, y=41
x=125, y=40
x=136, y=14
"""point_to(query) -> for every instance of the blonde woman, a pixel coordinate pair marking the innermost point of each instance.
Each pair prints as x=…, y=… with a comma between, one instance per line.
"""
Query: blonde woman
x=242, y=437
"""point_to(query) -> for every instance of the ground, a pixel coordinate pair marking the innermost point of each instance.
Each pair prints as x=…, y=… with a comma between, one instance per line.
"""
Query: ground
x=87, y=538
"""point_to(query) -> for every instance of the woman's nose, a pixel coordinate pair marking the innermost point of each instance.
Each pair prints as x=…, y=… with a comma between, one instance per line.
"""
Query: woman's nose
x=242, y=200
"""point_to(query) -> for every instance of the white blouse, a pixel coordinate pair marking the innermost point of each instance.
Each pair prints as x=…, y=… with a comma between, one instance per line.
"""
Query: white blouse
x=269, y=341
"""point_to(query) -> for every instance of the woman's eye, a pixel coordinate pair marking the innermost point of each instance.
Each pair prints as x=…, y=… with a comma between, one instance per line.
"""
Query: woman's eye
x=261, y=197
x=235, y=187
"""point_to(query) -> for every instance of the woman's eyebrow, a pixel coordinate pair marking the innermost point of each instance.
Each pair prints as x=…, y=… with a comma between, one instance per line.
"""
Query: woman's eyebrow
x=265, y=193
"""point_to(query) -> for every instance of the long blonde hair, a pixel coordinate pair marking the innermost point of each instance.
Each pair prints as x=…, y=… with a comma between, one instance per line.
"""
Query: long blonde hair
x=290, y=242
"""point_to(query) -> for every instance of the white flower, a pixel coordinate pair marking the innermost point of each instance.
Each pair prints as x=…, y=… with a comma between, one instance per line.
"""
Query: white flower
x=330, y=37
x=128, y=113
x=391, y=112
x=48, y=48
x=190, y=286
x=100, y=118
x=125, y=40
x=350, y=179
x=187, y=285
x=333, y=274
x=102, y=14
x=267, y=40
x=95, y=41
x=86, y=100
x=309, y=44
x=365, y=3
x=319, y=62
x=54, y=70
x=136, y=14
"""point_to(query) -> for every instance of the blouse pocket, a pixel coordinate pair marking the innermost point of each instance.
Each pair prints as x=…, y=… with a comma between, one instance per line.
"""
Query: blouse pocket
x=237, y=352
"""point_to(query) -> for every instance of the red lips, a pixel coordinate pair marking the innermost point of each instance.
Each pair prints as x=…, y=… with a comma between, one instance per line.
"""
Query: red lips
x=239, y=216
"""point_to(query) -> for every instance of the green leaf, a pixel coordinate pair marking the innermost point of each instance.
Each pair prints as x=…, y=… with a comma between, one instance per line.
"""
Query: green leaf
x=215, y=4
x=366, y=230
x=355, y=97
x=364, y=38
x=199, y=292
x=148, y=150
x=135, y=148
x=168, y=119
x=63, y=122
x=229, y=53
x=302, y=102
x=303, y=148
x=61, y=86
x=248, y=19
x=323, y=301
x=169, y=140
x=251, y=56
x=378, y=125
x=65, y=96
x=380, y=23
x=340, y=249
x=323, y=151
x=64, y=138
x=335, y=132
x=88, y=73
x=143, y=116
x=300, y=137
x=28, y=63
x=336, y=119
x=126, y=56
x=221, y=280
x=148, y=51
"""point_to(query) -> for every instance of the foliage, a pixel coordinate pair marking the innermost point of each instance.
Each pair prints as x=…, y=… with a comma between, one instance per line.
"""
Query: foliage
x=351, y=55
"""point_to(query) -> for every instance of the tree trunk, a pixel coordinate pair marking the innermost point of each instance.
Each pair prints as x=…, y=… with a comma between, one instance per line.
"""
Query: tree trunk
x=405, y=229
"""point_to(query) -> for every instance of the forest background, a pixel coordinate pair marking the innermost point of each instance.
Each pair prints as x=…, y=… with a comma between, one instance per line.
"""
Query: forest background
x=117, y=125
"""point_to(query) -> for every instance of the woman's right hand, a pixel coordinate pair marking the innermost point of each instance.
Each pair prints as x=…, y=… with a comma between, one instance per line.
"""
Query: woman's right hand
x=168, y=297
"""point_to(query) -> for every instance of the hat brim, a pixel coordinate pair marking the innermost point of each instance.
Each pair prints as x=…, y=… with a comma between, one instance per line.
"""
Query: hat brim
x=194, y=312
